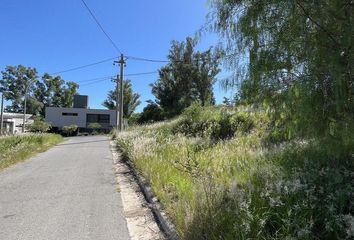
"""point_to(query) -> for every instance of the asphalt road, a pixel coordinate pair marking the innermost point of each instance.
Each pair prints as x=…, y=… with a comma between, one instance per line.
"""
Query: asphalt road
x=68, y=192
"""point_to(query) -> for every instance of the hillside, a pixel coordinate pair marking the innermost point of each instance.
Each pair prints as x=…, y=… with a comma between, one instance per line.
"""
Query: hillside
x=225, y=173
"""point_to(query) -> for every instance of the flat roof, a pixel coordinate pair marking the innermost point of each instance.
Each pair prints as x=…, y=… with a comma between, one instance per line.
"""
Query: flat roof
x=16, y=115
x=91, y=109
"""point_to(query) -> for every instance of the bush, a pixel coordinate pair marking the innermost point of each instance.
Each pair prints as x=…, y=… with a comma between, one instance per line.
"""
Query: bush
x=94, y=126
x=134, y=118
x=39, y=126
x=70, y=130
x=151, y=113
x=216, y=124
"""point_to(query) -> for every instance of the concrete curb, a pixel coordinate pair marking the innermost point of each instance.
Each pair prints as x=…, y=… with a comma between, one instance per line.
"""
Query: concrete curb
x=163, y=222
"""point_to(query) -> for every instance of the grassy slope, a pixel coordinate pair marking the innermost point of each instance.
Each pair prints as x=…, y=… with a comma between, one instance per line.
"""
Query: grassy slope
x=219, y=178
x=14, y=149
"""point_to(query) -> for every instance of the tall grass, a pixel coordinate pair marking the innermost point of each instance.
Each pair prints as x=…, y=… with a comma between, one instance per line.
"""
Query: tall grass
x=219, y=178
x=14, y=149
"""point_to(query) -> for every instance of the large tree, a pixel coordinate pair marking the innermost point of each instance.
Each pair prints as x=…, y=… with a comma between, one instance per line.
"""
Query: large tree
x=187, y=78
x=297, y=57
x=18, y=81
x=130, y=99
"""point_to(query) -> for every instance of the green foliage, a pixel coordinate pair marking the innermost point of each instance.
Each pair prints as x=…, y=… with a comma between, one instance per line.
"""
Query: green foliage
x=130, y=99
x=15, y=83
x=38, y=126
x=151, y=113
x=187, y=78
x=70, y=130
x=18, y=81
x=197, y=121
x=134, y=119
x=15, y=149
x=94, y=126
x=240, y=188
x=113, y=133
x=300, y=62
x=55, y=92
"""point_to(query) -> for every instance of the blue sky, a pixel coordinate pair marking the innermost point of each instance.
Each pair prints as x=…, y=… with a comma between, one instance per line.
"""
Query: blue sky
x=58, y=35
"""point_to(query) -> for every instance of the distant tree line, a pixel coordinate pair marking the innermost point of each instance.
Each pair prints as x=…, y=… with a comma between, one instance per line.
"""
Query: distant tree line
x=19, y=82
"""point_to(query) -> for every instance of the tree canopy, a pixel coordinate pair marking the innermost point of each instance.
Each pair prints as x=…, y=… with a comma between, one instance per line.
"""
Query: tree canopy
x=18, y=81
x=188, y=77
x=294, y=57
x=130, y=99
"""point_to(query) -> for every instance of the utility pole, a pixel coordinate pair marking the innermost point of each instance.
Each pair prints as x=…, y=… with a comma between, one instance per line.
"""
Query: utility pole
x=24, y=112
x=121, y=97
x=2, y=115
x=117, y=101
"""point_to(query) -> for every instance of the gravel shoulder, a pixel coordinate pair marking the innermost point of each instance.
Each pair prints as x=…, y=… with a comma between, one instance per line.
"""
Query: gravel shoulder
x=140, y=220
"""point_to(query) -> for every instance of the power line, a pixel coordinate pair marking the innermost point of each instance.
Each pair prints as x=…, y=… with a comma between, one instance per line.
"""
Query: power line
x=83, y=66
x=129, y=57
x=102, y=79
x=148, y=60
x=98, y=81
x=100, y=26
x=95, y=79
x=169, y=61
x=139, y=74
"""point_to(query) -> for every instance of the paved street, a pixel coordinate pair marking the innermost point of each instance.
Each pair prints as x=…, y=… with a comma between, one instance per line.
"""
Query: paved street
x=68, y=192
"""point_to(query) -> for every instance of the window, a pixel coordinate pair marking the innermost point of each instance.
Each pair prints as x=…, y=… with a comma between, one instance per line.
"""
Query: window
x=97, y=118
x=69, y=114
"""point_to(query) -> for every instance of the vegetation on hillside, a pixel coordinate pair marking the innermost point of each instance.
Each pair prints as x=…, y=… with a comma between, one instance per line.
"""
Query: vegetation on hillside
x=221, y=173
x=188, y=77
x=293, y=57
x=280, y=168
x=14, y=149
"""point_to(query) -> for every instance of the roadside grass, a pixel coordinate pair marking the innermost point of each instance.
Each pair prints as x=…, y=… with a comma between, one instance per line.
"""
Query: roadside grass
x=219, y=177
x=14, y=149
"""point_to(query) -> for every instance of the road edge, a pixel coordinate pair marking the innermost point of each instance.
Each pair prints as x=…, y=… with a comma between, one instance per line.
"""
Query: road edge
x=156, y=208
x=139, y=218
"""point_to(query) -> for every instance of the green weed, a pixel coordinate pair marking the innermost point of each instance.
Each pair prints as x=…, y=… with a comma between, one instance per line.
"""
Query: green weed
x=14, y=149
x=218, y=177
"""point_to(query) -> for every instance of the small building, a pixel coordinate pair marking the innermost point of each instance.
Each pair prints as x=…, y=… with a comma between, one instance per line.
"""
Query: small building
x=80, y=115
x=12, y=122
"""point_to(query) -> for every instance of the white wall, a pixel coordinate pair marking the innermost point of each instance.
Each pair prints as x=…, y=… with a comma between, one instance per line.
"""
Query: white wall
x=14, y=122
x=54, y=116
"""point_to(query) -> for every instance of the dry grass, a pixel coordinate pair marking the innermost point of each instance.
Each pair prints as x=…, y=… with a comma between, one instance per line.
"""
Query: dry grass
x=214, y=186
x=14, y=149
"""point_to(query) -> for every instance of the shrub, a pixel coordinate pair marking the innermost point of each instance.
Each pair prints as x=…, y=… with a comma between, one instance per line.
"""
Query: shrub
x=94, y=126
x=134, y=118
x=151, y=113
x=70, y=130
x=39, y=126
x=213, y=123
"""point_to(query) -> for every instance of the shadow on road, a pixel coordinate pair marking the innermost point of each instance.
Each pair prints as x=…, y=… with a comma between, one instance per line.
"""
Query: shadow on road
x=78, y=143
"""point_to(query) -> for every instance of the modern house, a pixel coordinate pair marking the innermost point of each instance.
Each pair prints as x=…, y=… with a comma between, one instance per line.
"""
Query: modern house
x=80, y=115
x=13, y=122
